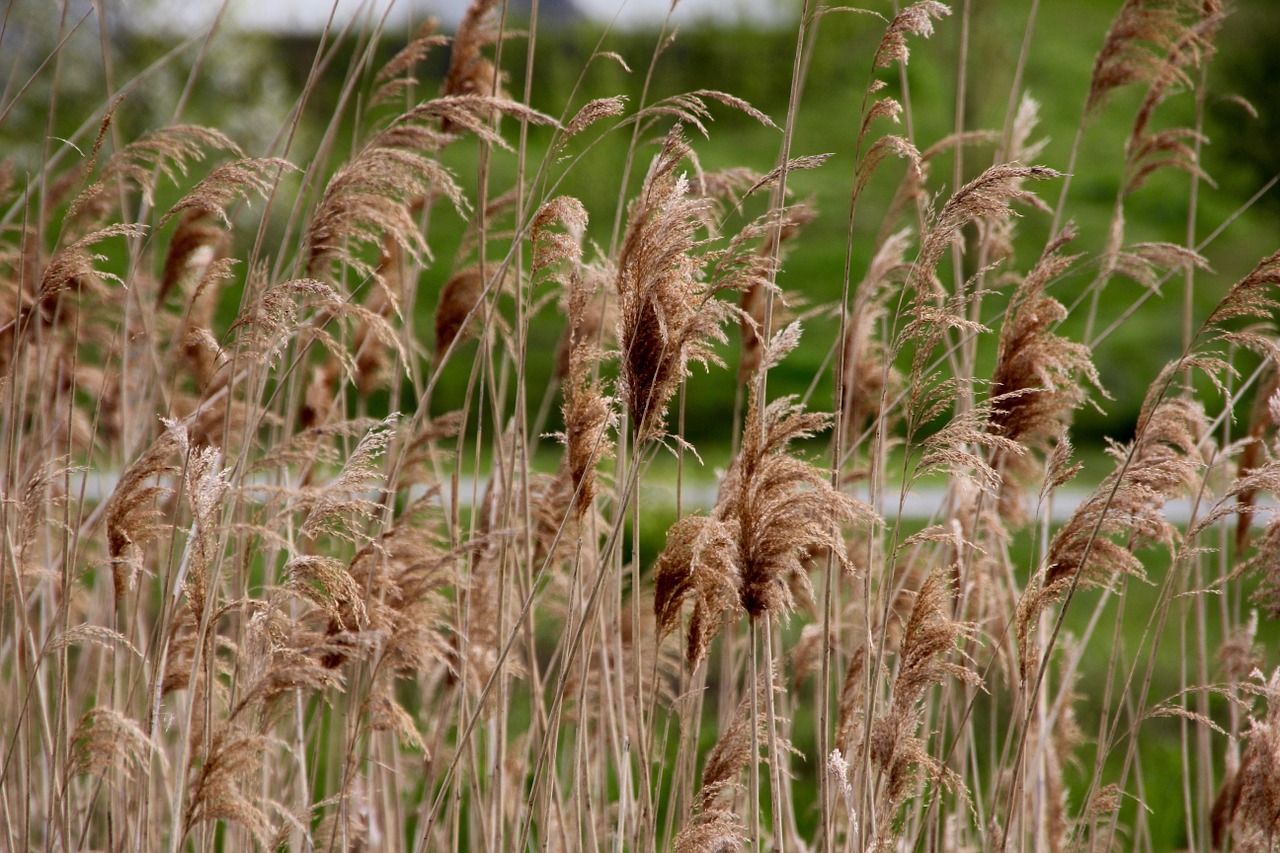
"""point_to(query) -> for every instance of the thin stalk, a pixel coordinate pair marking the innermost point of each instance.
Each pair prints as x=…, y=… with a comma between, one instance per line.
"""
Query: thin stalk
x=753, y=775
x=775, y=752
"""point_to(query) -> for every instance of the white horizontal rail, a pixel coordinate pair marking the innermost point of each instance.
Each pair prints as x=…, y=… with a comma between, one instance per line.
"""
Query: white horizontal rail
x=920, y=505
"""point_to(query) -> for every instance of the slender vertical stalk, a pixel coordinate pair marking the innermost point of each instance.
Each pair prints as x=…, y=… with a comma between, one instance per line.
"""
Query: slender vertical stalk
x=775, y=752
x=753, y=771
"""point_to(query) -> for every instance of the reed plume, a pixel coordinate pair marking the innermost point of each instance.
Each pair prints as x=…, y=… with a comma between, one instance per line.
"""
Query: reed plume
x=470, y=72
x=667, y=317
x=1140, y=34
x=132, y=515
x=868, y=376
x=774, y=511
x=589, y=415
x=1247, y=809
x=1160, y=463
x=1039, y=376
x=714, y=824
x=898, y=749
x=167, y=152
x=762, y=269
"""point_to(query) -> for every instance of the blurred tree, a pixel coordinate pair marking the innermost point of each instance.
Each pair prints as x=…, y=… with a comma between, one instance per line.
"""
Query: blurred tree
x=1249, y=69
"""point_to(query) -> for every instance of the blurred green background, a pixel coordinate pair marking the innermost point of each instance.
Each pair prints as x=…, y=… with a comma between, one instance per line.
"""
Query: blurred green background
x=246, y=83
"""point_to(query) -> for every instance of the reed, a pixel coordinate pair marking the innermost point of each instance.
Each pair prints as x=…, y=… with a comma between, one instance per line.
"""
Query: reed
x=290, y=563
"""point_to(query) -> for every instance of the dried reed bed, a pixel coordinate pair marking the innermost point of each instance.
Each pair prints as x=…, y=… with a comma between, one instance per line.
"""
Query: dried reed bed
x=288, y=626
